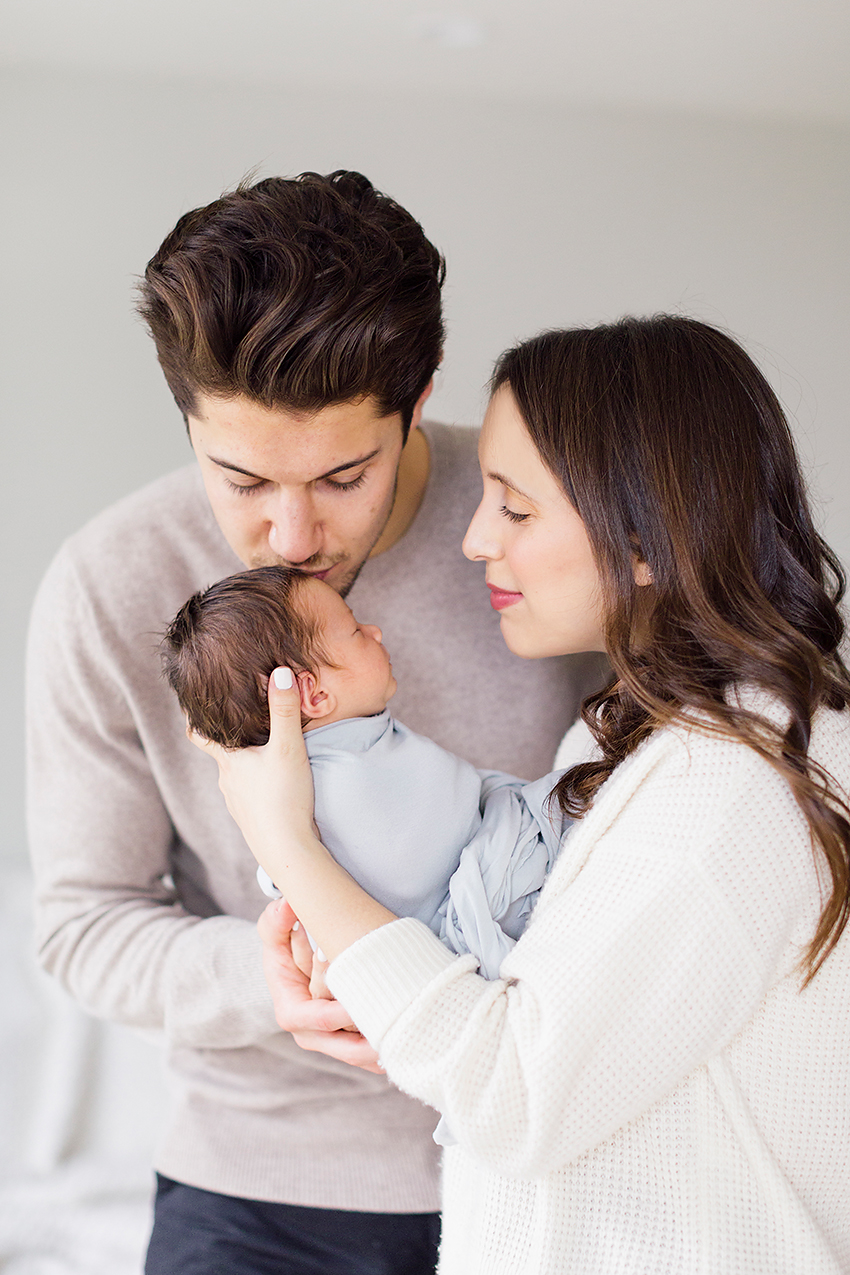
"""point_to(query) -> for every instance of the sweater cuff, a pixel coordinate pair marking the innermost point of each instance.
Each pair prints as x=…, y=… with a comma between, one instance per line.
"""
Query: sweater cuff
x=380, y=975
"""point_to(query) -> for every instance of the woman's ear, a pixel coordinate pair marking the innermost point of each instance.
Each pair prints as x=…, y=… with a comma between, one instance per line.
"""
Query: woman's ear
x=316, y=702
x=640, y=568
x=642, y=573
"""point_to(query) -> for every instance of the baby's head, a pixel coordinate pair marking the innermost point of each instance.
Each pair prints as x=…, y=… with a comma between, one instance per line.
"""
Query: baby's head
x=221, y=647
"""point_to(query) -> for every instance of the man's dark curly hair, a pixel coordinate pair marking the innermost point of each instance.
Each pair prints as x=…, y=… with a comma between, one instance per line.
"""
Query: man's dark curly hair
x=297, y=293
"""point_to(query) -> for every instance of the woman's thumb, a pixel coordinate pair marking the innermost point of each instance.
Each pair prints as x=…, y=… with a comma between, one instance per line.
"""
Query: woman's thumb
x=282, y=678
x=284, y=701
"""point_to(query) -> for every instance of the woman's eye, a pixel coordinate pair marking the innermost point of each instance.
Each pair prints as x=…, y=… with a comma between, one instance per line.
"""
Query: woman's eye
x=512, y=515
x=351, y=485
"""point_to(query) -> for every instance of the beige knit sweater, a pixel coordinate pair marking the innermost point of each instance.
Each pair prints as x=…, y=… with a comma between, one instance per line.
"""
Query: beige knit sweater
x=647, y=1090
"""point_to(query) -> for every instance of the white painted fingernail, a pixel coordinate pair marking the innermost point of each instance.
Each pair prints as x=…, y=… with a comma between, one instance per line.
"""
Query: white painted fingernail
x=296, y=926
x=320, y=954
x=282, y=678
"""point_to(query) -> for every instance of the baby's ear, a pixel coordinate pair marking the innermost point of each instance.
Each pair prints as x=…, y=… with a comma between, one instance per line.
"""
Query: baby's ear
x=316, y=702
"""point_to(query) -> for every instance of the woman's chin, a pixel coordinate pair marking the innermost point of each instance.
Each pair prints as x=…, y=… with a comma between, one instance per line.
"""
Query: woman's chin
x=522, y=644
x=541, y=646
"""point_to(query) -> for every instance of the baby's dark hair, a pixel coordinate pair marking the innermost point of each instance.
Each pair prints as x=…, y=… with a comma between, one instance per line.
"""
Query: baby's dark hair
x=223, y=644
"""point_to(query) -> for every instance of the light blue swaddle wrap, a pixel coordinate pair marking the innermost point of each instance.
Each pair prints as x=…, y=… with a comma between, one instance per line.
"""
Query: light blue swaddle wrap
x=429, y=836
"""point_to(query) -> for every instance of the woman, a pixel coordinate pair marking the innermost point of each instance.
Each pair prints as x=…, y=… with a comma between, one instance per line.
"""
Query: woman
x=659, y=1080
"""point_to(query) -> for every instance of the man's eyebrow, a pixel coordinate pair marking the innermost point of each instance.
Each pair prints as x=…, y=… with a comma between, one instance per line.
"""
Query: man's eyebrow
x=237, y=469
x=511, y=485
x=349, y=464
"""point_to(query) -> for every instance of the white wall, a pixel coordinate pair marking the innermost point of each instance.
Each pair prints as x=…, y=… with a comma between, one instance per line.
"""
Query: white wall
x=547, y=216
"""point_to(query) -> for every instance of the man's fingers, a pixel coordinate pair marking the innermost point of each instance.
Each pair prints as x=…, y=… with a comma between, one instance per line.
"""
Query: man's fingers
x=302, y=952
x=283, y=935
x=322, y=1026
x=345, y=1046
x=276, y=922
x=319, y=989
x=317, y=1017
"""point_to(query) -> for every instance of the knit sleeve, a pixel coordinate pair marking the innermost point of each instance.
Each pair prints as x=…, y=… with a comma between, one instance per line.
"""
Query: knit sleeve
x=644, y=957
x=108, y=922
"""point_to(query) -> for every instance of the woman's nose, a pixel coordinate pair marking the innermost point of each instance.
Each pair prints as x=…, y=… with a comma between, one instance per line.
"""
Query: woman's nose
x=479, y=543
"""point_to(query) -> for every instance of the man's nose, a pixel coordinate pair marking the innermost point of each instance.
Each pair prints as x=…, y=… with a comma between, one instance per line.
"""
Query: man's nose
x=295, y=530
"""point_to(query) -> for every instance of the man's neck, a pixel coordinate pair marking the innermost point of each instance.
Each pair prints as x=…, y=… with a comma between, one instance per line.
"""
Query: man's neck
x=413, y=472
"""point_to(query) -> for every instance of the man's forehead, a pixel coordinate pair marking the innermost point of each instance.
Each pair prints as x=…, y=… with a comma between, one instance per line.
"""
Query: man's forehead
x=241, y=417
x=241, y=411
x=242, y=434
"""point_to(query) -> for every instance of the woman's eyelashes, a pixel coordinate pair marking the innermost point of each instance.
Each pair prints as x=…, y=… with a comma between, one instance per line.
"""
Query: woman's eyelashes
x=512, y=515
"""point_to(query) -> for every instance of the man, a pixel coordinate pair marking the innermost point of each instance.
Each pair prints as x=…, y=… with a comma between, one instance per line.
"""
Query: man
x=298, y=326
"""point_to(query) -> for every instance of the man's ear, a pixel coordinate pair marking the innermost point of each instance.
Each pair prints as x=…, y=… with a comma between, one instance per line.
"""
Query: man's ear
x=316, y=702
x=416, y=419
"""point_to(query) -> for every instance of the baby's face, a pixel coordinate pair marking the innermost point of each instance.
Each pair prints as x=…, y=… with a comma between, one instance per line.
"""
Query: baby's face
x=362, y=681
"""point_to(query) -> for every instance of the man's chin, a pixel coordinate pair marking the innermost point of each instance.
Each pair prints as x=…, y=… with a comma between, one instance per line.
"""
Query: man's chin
x=346, y=582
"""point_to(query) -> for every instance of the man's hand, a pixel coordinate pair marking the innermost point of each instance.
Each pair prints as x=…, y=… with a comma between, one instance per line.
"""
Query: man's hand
x=319, y=1025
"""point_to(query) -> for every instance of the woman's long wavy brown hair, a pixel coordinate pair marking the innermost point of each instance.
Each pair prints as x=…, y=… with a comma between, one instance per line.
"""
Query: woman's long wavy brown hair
x=675, y=451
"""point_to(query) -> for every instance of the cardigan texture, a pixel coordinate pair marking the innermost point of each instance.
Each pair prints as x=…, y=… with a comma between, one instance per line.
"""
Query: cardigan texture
x=646, y=1088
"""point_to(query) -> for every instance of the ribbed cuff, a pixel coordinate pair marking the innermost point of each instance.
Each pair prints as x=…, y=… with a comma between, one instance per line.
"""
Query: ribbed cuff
x=380, y=975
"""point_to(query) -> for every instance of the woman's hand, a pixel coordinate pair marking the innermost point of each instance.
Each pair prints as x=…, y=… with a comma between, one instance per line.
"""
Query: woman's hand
x=269, y=790
x=319, y=1025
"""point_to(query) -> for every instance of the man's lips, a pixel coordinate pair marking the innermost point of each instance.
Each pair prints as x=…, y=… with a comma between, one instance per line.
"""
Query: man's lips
x=323, y=572
x=501, y=598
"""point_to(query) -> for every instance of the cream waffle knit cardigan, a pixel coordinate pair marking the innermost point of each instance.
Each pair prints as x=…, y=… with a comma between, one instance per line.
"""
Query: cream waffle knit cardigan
x=646, y=1090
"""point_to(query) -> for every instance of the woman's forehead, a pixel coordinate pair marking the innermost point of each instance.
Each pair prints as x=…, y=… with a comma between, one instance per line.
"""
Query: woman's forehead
x=507, y=454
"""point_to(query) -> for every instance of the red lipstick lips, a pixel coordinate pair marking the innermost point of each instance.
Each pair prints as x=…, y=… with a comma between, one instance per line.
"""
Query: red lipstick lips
x=501, y=598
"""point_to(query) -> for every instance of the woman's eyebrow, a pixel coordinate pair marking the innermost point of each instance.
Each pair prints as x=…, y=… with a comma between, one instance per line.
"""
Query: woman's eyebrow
x=511, y=485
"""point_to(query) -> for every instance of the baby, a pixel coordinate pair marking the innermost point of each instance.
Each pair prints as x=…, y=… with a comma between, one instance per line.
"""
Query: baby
x=425, y=833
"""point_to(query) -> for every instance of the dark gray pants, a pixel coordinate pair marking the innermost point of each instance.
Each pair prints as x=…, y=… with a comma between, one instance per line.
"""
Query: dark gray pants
x=203, y=1233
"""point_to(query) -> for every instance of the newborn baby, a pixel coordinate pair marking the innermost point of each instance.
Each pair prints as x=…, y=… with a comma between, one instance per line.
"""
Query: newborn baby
x=424, y=832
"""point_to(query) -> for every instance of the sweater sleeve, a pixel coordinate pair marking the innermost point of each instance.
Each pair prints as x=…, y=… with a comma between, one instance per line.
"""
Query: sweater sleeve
x=637, y=966
x=109, y=924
